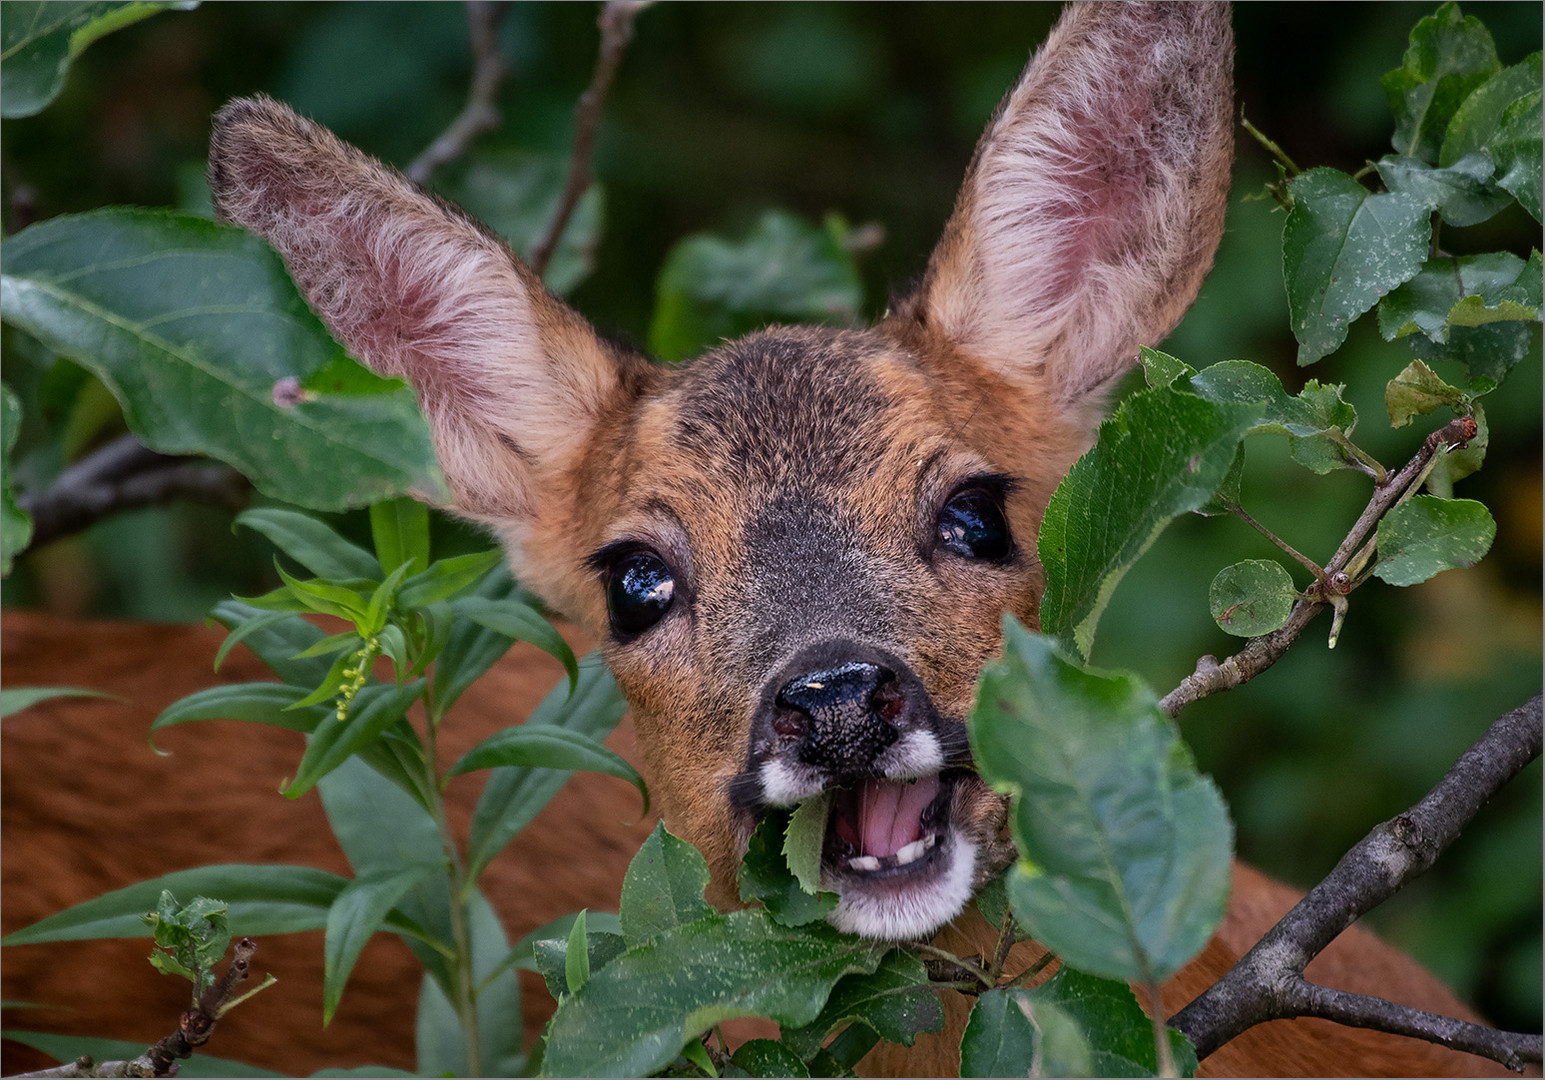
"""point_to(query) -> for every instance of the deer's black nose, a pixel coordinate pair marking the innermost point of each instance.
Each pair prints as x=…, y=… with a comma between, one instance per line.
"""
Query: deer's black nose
x=848, y=714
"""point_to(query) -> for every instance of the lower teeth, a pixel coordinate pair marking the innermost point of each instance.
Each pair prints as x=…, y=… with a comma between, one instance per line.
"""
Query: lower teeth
x=909, y=854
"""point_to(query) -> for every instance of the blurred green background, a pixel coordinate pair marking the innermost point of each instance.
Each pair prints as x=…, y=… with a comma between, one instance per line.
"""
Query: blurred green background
x=722, y=111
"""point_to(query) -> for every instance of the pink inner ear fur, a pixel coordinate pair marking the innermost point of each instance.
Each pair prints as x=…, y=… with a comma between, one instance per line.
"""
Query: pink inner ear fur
x=412, y=288
x=1090, y=193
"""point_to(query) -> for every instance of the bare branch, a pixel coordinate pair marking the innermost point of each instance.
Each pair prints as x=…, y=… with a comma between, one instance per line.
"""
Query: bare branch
x=1268, y=983
x=616, y=31
x=1261, y=653
x=126, y=475
x=194, y=1027
x=481, y=112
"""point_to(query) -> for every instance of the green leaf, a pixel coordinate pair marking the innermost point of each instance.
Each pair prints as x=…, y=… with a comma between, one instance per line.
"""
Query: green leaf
x=1458, y=464
x=335, y=741
x=576, y=959
x=547, y=746
x=663, y=887
x=1161, y=369
x=446, y=578
x=190, y=939
x=256, y=703
x=805, y=838
x=1462, y=192
x=1251, y=598
x=1477, y=120
x=784, y=270
x=768, y=1057
x=522, y=622
x=276, y=644
x=1125, y=863
x=1448, y=57
x=765, y=876
x=599, y=924
x=16, y=698
x=1425, y=536
x=895, y=1001
x=199, y=333
x=335, y=643
x=67, y=1048
x=550, y=956
x=517, y=193
x=635, y=1014
x=1164, y=453
x=15, y=523
x=1417, y=391
x=513, y=796
x=1116, y=1034
x=1487, y=353
x=468, y=648
x=38, y=41
x=357, y=913
x=251, y=625
x=1342, y=249
x=444, y=1053
x=1011, y=1034
x=1472, y=290
x=311, y=543
x=400, y=531
x=381, y=828
x=1518, y=147
x=262, y=900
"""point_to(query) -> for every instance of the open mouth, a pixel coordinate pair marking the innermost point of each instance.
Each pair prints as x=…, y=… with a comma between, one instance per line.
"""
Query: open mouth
x=887, y=828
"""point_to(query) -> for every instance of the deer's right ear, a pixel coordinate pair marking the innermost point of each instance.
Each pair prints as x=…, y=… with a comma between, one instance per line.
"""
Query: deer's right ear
x=512, y=381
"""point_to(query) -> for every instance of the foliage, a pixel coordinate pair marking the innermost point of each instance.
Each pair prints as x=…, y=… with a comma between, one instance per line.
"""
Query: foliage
x=270, y=392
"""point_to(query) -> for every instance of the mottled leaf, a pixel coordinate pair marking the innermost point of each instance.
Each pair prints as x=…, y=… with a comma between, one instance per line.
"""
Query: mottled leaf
x=1462, y=192
x=1342, y=249
x=663, y=887
x=1480, y=115
x=895, y=1001
x=1427, y=535
x=15, y=523
x=1417, y=391
x=1125, y=846
x=635, y=1014
x=1472, y=290
x=1011, y=1034
x=1518, y=147
x=765, y=876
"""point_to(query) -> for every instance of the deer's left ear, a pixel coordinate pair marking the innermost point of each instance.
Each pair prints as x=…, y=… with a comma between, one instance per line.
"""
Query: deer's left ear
x=1095, y=200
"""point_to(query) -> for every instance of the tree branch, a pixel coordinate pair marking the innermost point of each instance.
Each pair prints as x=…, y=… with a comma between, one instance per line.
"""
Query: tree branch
x=1262, y=652
x=126, y=475
x=1268, y=982
x=616, y=31
x=481, y=112
x=194, y=1028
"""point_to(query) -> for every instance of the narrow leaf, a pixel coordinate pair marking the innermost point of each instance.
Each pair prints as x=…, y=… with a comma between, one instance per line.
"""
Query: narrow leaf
x=256, y=703
x=334, y=741
x=548, y=747
x=16, y=698
x=311, y=543
x=356, y=914
x=400, y=530
x=446, y=578
x=521, y=622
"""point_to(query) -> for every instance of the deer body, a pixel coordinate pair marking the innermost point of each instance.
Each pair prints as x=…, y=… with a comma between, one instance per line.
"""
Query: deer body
x=796, y=550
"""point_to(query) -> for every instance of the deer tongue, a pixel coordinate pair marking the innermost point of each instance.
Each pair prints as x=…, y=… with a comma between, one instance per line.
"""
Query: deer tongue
x=884, y=816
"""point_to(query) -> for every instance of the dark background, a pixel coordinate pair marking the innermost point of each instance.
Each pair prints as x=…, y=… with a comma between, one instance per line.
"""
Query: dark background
x=721, y=111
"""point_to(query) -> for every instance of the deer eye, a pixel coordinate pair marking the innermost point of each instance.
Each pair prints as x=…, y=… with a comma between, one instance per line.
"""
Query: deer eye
x=972, y=525
x=639, y=591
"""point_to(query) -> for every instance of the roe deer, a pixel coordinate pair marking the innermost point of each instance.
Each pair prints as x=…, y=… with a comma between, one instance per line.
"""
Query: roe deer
x=796, y=550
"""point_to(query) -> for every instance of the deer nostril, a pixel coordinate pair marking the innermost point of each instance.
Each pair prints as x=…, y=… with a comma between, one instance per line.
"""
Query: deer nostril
x=887, y=701
x=789, y=724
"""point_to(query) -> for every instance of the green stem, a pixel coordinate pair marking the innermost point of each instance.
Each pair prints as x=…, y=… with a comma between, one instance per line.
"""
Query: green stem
x=1303, y=560
x=1161, y=1044
x=465, y=1001
x=1361, y=458
x=959, y=961
x=1038, y=966
x=1271, y=148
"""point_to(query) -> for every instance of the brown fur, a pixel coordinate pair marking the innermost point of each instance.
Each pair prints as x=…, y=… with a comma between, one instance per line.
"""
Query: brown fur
x=792, y=481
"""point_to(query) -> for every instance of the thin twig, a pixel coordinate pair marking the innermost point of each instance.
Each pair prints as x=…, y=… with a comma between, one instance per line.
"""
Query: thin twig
x=1262, y=652
x=481, y=112
x=1303, y=560
x=616, y=31
x=126, y=475
x=1268, y=982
